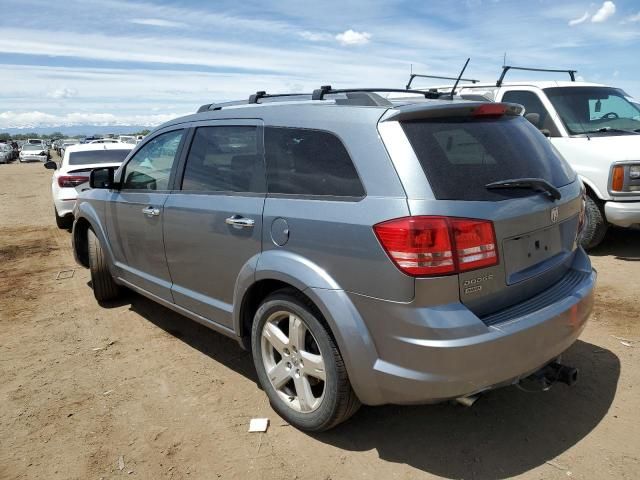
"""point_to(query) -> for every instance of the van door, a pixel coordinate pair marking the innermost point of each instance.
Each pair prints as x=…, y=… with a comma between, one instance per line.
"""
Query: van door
x=213, y=223
x=135, y=214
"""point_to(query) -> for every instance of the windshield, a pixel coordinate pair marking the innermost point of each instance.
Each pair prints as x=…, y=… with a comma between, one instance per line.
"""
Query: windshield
x=590, y=109
x=460, y=156
x=98, y=156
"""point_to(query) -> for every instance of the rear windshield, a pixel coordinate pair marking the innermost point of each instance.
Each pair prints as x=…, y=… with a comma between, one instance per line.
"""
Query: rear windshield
x=97, y=156
x=461, y=155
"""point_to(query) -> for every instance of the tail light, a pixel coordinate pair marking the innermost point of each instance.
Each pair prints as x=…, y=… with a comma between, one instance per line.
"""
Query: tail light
x=489, y=110
x=70, y=181
x=426, y=245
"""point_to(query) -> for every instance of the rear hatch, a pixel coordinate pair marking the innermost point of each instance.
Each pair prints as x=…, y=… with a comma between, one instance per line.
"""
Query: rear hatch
x=82, y=162
x=535, y=222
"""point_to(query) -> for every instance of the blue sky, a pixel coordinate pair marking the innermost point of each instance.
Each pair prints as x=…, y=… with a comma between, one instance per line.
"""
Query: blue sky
x=127, y=62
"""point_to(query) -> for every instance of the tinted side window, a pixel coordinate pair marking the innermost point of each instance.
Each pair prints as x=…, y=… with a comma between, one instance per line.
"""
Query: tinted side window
x=532, y=104
x=309, y=162
x=150, y=167
x=224, y=159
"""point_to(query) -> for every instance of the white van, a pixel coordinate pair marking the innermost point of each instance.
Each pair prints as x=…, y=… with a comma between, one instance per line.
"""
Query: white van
x=597, y=130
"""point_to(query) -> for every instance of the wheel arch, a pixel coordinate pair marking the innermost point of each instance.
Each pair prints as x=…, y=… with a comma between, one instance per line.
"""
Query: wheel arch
x=284, y=270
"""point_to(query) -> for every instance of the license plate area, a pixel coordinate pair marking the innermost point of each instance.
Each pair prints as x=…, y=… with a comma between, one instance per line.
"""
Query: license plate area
x=530, y=254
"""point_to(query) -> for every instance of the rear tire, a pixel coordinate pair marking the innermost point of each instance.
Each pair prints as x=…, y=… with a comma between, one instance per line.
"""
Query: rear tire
x=595, y=226
x=325, y=403
x=63, y=223
x=104, y=288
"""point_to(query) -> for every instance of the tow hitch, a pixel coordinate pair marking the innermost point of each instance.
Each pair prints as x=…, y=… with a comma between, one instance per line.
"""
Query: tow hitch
x=552, y=373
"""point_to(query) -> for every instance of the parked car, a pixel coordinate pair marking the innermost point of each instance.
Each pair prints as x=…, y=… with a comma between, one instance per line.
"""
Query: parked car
x=33, y=153
x=67, y=143
x=6, y=153
x=596, y=128
x=127, y=139
x=104, y=140
x=71, y=176
x=365, y=251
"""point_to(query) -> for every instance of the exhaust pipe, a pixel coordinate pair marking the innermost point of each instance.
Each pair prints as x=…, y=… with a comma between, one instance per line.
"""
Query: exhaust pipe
x=467, y=401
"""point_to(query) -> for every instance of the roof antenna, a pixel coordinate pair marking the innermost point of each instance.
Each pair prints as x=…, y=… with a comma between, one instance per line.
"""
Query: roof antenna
x=504, y=59
x=459, y=77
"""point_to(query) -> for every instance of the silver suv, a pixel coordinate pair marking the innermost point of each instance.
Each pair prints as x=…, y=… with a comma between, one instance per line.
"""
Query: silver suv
x=365, y=250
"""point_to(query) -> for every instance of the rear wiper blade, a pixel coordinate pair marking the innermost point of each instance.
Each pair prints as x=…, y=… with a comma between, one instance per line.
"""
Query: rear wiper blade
x=537, y=184
x=614, y=130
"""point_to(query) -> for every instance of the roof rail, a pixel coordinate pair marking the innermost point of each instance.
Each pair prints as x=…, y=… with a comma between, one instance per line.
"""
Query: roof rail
x=327, y=90
x=438, y=77
x=262, y=94
x=506, y=68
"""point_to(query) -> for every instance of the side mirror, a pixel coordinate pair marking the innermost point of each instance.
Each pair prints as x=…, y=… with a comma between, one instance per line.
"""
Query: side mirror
x=545, y=132
x=50, y=165
x=101, y=178
x=534, y=118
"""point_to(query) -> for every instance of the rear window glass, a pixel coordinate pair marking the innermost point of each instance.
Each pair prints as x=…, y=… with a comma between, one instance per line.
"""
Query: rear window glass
x=309, y=162
x=461, y=155
x=97, y=156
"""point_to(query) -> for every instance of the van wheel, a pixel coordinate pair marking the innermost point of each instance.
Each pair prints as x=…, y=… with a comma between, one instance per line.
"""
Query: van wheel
x=299, y=365
x=63, y=222
x=595, y=225
x=104, y=288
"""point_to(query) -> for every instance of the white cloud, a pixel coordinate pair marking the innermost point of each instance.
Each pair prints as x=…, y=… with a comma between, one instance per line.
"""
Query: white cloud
x=157, y=22
x=351, y=37
x=34, y=119
x=606, y=11
x=315, y=36
x=578, y=21
x=62, y=93
x=634, y=18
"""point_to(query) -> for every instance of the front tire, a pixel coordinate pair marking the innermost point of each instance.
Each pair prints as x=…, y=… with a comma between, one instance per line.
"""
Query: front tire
x=299, y=365
x=104, y=288
x=595, y=226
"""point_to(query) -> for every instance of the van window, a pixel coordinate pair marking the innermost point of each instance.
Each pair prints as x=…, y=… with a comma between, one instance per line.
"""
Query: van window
x=309, y=162
x=460, y=156
x=532, y=104
x=224, y=159
x=588, y=110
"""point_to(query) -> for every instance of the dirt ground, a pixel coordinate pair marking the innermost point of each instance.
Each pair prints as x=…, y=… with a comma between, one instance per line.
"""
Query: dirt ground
x=85, y=390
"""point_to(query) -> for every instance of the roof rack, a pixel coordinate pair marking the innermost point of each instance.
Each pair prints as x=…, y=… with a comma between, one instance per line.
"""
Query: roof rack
x=506, y=68
x=438, y=77
x=327, y=90
x=360, y=96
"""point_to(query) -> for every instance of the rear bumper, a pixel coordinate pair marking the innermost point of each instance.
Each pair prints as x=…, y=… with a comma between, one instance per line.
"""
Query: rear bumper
x=64, y=207
x=431, y=354
x=622, y=214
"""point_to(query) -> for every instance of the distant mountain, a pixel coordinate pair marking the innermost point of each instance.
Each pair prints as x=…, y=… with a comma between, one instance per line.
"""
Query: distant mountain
x=73, y=130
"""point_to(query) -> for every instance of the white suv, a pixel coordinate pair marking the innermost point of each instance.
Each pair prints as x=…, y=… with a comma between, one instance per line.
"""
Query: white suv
x=597, y=130
x=72, y=175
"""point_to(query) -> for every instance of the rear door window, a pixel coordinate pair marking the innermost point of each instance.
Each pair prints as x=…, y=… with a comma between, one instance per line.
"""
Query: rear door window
x=309, y=162
x=225, y=159
x=461, y=155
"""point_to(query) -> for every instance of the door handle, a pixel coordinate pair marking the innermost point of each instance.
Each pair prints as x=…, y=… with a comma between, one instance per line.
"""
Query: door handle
x=238, y=221
x=151, y=211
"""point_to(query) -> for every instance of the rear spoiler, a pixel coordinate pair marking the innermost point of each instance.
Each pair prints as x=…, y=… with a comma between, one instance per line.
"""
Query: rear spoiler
x=458, y=109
